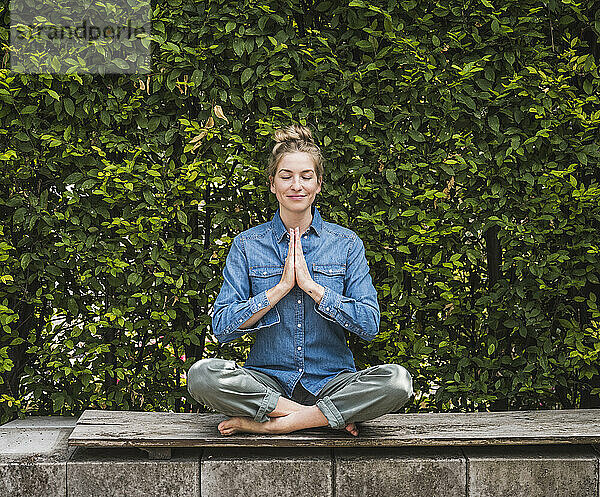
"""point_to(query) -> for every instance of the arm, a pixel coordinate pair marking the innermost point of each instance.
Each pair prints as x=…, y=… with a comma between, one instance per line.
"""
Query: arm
x=274, y=295
x=357, y=310
x=234, y=313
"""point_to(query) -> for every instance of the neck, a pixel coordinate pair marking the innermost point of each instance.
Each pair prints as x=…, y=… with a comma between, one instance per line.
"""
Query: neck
x=296, y=219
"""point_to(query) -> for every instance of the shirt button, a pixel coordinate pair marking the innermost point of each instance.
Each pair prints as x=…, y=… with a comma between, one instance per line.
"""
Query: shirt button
x=299, y=301
x=299, y=325
x=300, y=369
x=264, y=272
x=299, y=348
x=241, y=320
x=326, y=308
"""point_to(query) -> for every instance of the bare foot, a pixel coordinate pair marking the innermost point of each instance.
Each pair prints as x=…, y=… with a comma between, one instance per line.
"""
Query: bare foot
x=352, y=429
x=241, y=424
x=308, y=417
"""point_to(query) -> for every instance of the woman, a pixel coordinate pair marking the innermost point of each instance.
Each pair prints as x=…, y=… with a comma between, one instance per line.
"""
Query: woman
x=296, y=282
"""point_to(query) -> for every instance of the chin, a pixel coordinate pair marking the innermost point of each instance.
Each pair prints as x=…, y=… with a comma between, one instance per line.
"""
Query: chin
x=295, y=206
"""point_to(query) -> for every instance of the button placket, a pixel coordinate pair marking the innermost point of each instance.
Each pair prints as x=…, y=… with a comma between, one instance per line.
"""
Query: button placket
x=300, y=335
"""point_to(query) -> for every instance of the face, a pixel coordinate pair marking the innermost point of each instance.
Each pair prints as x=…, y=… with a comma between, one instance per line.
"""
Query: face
x=295, y=183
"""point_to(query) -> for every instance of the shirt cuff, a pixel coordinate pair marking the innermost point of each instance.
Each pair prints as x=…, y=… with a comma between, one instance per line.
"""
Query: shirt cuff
x=329, y=305
x=259, y=302
x=255, y=304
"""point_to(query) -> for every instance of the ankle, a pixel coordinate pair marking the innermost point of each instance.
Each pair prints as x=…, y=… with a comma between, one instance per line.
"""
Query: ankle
x=273, y=426
x=284, y=407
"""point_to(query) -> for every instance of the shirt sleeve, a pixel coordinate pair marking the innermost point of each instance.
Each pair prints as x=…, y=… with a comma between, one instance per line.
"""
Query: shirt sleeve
x=357, y=310
x=234, y=306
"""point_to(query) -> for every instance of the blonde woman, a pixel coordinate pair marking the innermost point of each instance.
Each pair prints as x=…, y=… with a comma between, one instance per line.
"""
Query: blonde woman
x=297, y=282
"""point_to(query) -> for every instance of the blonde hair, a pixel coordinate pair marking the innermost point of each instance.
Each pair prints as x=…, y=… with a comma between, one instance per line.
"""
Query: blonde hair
x=294, y=138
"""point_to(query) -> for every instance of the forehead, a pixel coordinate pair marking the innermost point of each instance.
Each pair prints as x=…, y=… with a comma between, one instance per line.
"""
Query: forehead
x=296, y=162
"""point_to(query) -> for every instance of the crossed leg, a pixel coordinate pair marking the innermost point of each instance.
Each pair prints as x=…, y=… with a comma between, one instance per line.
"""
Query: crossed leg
x=238, y=392
x=360, y=395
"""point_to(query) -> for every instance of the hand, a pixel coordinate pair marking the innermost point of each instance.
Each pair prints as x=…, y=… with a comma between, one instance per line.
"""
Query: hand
x=288, y=278
x=303, y=277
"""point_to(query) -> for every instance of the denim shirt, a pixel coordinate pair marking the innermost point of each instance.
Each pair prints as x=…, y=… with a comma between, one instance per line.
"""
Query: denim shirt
x=298, y=339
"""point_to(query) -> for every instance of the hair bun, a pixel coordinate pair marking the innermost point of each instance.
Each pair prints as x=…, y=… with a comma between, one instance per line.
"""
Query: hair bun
x=295, y=132
x=290, y=140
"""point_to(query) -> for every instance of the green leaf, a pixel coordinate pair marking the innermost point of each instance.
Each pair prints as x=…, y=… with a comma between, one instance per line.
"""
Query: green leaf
x=238, y=46
x=29, y=109
x=19, y=215
x=69, y=106
x=120, y=63
x=246, y=75
x=182, y=217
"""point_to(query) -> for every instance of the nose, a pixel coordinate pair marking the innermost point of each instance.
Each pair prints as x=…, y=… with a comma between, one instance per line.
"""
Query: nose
x=296, y=184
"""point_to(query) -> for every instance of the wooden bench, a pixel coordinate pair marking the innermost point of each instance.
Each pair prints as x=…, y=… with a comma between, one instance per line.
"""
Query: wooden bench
x=159, y=432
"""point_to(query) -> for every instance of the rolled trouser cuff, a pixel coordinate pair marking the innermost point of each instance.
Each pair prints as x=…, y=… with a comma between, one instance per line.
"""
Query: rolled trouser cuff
x=336, y=421
x=267, y=405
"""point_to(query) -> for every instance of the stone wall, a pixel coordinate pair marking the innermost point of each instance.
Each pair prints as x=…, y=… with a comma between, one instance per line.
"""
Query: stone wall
x=36, y=461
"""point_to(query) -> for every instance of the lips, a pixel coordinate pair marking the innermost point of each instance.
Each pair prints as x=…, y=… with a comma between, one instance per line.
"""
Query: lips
x=296, y=197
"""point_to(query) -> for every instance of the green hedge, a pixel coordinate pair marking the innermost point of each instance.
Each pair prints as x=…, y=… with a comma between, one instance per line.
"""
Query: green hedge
x=461, y=144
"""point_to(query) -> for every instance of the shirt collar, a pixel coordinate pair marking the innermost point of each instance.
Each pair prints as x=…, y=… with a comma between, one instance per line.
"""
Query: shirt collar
x=280, y=229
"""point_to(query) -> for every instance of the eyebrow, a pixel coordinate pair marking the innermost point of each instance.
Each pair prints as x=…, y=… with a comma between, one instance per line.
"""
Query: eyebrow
x=289, y=171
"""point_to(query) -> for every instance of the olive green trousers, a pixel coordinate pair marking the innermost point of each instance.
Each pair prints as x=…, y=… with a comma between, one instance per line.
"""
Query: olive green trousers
x=233, y=390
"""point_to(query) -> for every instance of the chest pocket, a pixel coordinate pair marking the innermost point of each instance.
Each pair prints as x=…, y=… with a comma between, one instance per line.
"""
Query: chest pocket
x=330, y=275
x=264, y=278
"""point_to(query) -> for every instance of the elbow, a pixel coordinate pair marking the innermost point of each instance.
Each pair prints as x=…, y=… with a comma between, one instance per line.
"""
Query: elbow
x=368, y=331
x=221, y=338
x=224, y=336
x=371, y=330
x=369, y=335
x=219, y=332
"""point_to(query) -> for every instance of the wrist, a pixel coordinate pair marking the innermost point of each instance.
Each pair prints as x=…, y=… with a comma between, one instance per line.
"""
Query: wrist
x=281, y=290
x=315, y=291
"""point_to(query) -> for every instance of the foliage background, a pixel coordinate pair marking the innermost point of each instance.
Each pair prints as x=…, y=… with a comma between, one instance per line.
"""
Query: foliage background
x=461, y=144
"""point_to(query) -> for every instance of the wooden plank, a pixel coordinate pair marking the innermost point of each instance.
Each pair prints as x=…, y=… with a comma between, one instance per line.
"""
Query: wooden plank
x=163, y=429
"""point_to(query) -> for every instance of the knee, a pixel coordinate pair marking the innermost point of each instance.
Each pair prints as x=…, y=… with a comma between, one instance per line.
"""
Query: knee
x=201, y=378
x=400, y=382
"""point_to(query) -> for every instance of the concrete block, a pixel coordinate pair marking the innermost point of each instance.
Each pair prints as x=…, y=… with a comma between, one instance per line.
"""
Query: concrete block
x=532, y=471
x=128, y=472
x=33, y=461
x=399, y=472
x=258, y=472
x=42, y=422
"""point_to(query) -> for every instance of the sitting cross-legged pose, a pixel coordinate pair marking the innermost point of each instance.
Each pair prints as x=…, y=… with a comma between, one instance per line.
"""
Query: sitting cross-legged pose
x=296, y=282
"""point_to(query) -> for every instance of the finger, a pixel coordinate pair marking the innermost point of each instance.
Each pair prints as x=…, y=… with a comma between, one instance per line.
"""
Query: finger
x=295, y=242
x=293, y=260
x=299, y=246
x=298, y=242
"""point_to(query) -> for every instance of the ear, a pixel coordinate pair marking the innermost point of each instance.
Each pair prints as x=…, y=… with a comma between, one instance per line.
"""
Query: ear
x=271, y=184
x=320, y=183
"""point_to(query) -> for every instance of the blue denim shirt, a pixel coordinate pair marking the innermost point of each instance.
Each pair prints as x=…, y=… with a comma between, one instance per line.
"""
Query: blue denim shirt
x=298, y=339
